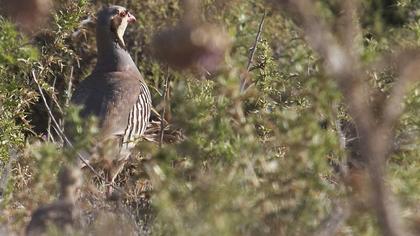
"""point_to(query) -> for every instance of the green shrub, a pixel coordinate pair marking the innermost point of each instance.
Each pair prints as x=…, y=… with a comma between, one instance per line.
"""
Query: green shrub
x=254, y=163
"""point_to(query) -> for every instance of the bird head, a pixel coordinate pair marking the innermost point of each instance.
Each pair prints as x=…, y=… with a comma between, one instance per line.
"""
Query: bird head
x=114, y=20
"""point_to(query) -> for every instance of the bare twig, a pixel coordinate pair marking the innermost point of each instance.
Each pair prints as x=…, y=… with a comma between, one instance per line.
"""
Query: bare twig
x=54, y=97
x=165, y=102
x=69, y=87
x=257, y=39
x=67, y=141
x=49, y=133
x=244, y=81
x=46, y=103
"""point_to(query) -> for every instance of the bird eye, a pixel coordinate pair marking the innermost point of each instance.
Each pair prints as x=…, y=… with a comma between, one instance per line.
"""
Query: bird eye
x=123, y=13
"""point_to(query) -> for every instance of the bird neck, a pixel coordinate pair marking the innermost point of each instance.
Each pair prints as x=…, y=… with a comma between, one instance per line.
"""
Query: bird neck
x=111, y=56
x=68, y=194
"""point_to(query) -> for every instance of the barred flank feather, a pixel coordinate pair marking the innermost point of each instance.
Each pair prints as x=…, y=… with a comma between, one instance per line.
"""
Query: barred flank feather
x=138, y=119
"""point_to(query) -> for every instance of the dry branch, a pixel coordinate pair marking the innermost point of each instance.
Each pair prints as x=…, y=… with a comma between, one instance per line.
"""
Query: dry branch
x=244, y=84
x=334, y=221
x=165, y=103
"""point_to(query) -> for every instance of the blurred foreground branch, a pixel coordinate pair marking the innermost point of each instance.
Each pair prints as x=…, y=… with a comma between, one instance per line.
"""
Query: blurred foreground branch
x=6, y=171
x=334, y=221
x=192, y=43
x=28, y=14
x=376, y=136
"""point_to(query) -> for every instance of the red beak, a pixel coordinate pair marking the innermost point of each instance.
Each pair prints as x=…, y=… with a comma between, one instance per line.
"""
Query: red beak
x=131, y=18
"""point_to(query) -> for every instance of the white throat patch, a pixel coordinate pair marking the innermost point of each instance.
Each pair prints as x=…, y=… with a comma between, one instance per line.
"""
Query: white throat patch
x=118, y=27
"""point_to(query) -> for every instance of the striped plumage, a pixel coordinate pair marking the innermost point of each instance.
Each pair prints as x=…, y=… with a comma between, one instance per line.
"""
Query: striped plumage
x=115, y=92
x=138, y=119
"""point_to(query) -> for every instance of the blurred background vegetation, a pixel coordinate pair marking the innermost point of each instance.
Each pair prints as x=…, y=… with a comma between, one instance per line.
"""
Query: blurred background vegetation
x=263, y=162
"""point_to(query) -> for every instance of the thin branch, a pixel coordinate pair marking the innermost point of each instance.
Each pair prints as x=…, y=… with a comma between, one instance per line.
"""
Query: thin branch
x=244, y=80
x=54, y=97
x=257, y=39
x=69, y=87
x=46, y=103
x=165, y=101
x=49, y=133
